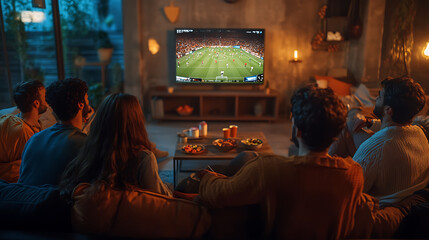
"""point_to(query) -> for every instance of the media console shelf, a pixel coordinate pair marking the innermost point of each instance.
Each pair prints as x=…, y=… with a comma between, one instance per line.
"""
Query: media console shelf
x=215, y=105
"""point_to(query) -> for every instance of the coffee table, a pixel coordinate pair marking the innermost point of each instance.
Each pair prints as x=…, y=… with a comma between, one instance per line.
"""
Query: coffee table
x=212, y=153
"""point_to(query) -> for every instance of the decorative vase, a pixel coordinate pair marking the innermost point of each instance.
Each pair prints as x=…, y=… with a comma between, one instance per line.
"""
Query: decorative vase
x=258, y=109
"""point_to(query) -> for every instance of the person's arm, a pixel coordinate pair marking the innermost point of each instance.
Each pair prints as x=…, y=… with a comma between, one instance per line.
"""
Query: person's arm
x=148, y=176
x=244, y=188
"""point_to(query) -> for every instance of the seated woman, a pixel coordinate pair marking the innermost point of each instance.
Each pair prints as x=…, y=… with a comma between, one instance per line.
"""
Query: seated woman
x=114, y=185
x=117, y=150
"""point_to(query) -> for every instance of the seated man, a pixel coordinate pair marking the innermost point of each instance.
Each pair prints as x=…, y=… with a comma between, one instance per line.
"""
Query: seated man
x=395, y=160
x=48, y=152
x=15, y=130
x=309, y=196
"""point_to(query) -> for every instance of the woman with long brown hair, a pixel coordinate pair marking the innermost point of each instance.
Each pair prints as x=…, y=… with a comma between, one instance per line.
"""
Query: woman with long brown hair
x=117, y=150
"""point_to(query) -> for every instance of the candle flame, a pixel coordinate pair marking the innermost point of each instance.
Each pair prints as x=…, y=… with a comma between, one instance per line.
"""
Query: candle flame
x=426, y=52
x=295, y=55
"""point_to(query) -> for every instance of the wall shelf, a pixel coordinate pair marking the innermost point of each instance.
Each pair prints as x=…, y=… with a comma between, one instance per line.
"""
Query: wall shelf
x=215, y=105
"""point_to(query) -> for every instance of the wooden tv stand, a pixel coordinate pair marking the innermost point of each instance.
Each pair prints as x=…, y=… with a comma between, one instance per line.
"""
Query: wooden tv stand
x=216, y=105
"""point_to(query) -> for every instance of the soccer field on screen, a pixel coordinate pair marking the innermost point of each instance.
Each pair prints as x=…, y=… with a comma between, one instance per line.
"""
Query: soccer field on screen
x=219, y=63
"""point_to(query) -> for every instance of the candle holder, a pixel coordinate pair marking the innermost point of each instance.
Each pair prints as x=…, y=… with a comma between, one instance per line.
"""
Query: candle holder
x=295, y=57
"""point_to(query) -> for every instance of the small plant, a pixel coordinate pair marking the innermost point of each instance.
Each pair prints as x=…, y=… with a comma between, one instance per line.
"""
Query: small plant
x=103, y=40
x=96, y=94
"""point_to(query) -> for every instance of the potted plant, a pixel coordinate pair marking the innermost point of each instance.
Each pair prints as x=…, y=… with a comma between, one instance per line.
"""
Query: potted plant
x=104, y=45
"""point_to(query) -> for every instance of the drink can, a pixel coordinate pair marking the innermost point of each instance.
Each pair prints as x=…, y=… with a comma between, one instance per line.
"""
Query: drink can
x=203, y=128
x=233, y=129
x=183, y=138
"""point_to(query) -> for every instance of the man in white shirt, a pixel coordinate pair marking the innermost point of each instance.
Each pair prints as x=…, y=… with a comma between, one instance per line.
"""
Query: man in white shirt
x=395, y=160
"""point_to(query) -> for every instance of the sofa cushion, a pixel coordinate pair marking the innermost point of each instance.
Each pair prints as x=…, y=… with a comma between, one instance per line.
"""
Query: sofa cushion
x=32, y=207
x=99, y=209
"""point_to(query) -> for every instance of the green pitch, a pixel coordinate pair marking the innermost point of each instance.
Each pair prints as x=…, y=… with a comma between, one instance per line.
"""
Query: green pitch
x=207, y=63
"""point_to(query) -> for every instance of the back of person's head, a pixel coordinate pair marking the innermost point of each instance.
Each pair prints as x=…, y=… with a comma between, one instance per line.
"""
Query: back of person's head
x=319, y=114
x=64, y=97
x=404, y=96
x=116, y=136
x=26, y=93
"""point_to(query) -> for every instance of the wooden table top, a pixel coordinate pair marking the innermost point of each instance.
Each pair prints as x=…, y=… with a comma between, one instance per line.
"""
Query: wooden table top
x=212, y=153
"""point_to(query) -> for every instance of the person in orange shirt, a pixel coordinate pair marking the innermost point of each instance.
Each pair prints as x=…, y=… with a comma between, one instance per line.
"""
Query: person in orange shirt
x=309, y=196
x=15, y=130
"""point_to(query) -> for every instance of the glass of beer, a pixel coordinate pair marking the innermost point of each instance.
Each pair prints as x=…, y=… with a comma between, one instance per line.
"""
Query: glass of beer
x=226, y=132
x=233, y=129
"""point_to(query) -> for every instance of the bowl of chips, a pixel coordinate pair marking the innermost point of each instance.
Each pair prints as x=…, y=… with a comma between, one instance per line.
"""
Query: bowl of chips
x=184, y=110
x=225, y=144
x=252, y=143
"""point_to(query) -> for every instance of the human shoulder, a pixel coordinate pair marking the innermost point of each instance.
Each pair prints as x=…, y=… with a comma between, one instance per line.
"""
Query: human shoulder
x=15, y=126
x=146, y=154
x=11, y=121
x=346, y=162
x=375, y=142
x=273, y=159
x=73, y=132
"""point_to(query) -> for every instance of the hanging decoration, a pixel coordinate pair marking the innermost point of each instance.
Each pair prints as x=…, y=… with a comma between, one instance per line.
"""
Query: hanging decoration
x=399, y=57
x=172, y=12
x=355, y=20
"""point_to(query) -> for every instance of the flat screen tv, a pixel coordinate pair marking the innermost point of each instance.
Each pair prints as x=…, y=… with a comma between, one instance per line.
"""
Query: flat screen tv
x=219, y=56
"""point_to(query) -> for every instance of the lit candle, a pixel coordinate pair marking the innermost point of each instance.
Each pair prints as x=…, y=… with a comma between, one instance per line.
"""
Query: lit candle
x=295, y=55
x=426, y=52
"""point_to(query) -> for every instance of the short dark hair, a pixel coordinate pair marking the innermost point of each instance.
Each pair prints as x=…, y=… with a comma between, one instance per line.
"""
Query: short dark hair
x=319, y=114
x=64, y=96
x=404, y=96
x=26, y=93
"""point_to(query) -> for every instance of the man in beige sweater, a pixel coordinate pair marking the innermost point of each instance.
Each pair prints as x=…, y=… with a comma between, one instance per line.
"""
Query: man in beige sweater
x=395, y=160
x=309, y=196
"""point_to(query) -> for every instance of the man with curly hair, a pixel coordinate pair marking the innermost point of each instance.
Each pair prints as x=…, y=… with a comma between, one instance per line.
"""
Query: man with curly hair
x=48, y=152
x=395, y=160
x=15, y=130
x=309, y=196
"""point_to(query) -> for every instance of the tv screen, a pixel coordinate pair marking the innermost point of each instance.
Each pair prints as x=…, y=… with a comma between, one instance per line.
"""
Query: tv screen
x=220, y=56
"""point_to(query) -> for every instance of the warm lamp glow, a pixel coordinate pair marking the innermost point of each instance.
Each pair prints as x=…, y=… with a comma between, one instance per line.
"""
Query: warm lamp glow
x=153, y=46
x=426, y=52
x=295, y=55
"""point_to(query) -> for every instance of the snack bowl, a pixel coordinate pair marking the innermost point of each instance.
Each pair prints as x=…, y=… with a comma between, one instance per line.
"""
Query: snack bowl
x=252, y=143
x=184, y=110
x=225, y=144
x=193, y=149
